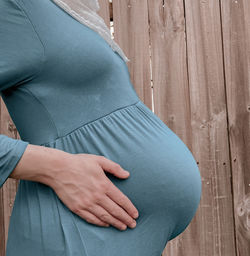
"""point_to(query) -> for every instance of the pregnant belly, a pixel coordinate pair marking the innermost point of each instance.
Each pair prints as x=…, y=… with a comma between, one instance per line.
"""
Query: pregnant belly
x=164, y=185
x=164, y=180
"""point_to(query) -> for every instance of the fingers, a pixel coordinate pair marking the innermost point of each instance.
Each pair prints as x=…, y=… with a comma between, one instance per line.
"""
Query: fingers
x=116, y=211
x=117, y=196
x=103, y=202
x=91, y=218
x=112, y=167
x=105, y=216
x=113, y=192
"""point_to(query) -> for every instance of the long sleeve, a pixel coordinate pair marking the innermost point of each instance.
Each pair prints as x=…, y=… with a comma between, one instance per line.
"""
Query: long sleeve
x=11, y=151
x=21, y=55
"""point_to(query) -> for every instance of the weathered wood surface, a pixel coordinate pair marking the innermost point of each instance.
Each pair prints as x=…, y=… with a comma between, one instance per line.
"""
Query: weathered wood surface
x=235, y=18
x=189, y=63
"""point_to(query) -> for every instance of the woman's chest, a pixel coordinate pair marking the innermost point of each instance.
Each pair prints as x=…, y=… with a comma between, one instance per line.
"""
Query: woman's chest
x=72, y=49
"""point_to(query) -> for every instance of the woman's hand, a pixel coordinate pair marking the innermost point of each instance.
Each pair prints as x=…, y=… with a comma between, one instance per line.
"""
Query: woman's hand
x=83, y=186
x=80, y=182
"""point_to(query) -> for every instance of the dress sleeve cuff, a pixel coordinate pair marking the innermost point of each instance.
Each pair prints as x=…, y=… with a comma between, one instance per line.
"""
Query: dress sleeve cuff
x=11, y=151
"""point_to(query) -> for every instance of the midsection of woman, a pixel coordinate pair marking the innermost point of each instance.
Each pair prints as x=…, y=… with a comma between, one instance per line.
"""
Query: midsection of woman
x=74, y=93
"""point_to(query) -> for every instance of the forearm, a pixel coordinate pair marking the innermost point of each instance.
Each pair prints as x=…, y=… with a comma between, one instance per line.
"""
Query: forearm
x=40, y=163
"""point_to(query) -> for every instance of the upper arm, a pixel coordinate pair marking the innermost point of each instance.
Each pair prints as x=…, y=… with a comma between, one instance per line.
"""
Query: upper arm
x=21, y=50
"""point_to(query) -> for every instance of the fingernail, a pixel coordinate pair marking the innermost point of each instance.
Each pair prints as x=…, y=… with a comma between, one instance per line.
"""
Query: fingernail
x=136, y=215
x=124, y=227
x=133, y=224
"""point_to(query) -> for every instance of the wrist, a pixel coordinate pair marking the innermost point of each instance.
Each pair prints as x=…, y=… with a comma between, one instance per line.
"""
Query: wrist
x=57, y=161
x=41, y=164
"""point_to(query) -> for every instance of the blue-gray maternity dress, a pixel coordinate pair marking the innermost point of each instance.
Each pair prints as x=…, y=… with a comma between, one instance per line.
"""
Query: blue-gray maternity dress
x=66, y=88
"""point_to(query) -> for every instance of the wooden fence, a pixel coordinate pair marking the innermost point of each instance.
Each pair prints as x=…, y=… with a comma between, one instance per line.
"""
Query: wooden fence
x=190, y=63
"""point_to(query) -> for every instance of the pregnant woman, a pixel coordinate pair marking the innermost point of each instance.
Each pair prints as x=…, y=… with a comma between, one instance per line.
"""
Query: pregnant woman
x=82, y=126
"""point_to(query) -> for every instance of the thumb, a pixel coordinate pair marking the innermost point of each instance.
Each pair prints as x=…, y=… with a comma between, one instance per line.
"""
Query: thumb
x=112, y=167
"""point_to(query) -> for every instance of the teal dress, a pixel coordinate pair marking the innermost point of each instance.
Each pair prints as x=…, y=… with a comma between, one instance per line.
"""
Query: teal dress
x=66, y=88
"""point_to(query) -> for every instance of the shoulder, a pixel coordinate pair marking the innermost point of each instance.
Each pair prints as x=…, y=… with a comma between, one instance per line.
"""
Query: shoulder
x=21, y=50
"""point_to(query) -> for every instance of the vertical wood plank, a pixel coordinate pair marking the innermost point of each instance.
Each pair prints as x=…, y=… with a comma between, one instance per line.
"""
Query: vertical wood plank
x=210, y=142
x=169, y=68
x=8, y=191
x=131, y=33
x=236, y=45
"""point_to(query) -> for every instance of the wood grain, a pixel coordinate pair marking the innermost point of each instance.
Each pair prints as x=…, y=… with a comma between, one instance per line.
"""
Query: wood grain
x=236, y=44
x=190, y=64
x=131, y=32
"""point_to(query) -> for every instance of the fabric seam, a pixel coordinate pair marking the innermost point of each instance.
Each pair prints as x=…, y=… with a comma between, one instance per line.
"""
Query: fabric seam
x=151, y=115
x=50, y=117
x=90, y=122
x=36, y=33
